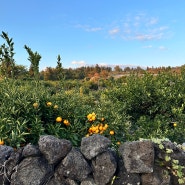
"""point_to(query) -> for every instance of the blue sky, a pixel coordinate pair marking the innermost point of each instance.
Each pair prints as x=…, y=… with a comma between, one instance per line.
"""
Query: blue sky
x=105, y=32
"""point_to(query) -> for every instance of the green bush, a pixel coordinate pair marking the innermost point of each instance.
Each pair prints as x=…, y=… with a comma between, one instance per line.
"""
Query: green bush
x=145, y=106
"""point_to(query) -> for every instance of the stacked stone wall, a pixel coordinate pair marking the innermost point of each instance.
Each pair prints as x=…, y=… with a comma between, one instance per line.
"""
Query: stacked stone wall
x=56, y=162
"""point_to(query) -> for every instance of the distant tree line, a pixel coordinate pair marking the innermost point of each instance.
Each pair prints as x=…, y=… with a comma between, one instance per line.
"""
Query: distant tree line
x=9, y=69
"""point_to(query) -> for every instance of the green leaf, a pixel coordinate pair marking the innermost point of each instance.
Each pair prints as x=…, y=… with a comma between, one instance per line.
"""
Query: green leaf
x=161, y=146
x=181, y=181
x=168, y=151
x=167, y=158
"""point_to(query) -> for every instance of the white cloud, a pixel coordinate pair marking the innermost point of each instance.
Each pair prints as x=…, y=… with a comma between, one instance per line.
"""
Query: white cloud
x=162, y=48
x=114, y=31
x=88, y=28
x=152, y=21
x=141, y=27
x=149, y=46
x=78, y=63
x=102, y=64
x=162, y=28
x=149, y=36
x=93, y=29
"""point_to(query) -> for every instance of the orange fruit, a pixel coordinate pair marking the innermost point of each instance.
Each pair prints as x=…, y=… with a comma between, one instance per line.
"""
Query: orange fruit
x=1, y=142
x=93, y=129
x=48, y=104
x=35, y=105
x=66, y=122
x=111, y=132
x=93, y=118
x=102, y=119
x=59, y=119
x=100, y=128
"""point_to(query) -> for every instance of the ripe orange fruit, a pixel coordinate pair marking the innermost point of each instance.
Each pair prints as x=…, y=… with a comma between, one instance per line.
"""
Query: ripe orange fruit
x=93, y=118
x=59, y=119
x=102, y=119
x=111, y=132
x=35, y=105
x=66, y=122
x=93, y=128
x=1, y=142
x=48, y=104
x=100, y=128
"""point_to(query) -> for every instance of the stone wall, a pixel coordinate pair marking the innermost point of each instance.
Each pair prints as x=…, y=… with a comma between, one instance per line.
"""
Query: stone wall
x=56, y=162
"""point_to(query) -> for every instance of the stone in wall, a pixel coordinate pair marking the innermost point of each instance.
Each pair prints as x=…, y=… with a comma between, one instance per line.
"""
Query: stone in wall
x=94, y=145
x=54, y=149
x=31, y=151
x=5, y=152
x=88, y=181
x=32, y=170
x=122, y=177
x=74, y=166
x=63, y=182
x=138, y=156
x=104, y=167
x=177, y=153
x=159, y=176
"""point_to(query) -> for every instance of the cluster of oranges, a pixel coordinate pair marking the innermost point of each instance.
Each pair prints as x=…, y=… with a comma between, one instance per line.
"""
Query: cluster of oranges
x=65, y=121
x=59, y=118
x=95, y=129
x=48, y=104
x=91, y=117
x=99, y=128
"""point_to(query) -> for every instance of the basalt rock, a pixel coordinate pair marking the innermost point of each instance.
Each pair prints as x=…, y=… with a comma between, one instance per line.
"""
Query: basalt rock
x=74, y=166
x=54, y=149
x=104, y=167
x=94, y=145
x=138, y=156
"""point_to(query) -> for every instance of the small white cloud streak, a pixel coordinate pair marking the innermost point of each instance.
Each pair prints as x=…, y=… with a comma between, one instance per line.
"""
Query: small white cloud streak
x=93, y=29
x=149, y=46
x=162, y=28
x=162, y=48
x=88, y=28
x=145, y=37
x=102, y=64
x=152, y=21
x=78, y=63
x=114, y=31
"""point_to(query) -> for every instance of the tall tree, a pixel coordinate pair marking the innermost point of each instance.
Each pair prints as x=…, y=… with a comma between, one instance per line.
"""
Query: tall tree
x=59, y=68
x=34, y=58
x=7, y=62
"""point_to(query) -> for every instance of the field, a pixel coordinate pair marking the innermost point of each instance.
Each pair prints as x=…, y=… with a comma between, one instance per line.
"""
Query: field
x=123, y=109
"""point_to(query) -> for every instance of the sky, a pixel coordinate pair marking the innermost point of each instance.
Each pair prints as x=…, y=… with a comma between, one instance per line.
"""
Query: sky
x=145, y=33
